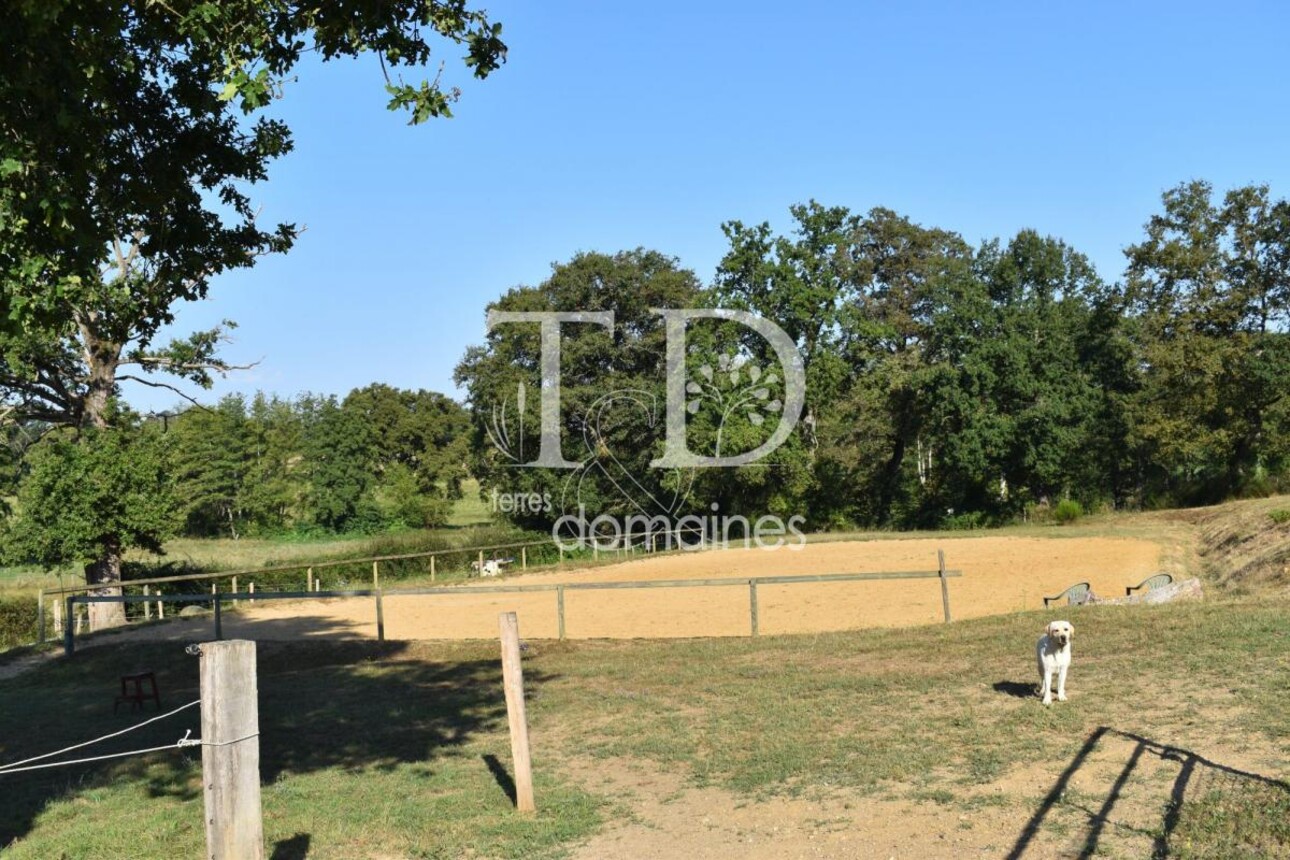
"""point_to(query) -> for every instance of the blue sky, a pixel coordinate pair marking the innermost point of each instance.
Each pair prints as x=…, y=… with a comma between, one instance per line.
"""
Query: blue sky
x=619, y=125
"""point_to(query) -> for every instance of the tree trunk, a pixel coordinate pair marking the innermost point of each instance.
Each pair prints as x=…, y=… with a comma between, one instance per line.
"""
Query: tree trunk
x=106, y=571
x=102, y=356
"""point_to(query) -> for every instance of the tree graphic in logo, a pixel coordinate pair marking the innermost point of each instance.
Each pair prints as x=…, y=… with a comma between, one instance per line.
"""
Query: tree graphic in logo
x=735, y=386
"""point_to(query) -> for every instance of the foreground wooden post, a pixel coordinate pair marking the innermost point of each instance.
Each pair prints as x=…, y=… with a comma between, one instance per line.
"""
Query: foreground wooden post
x=513, y=683
x=380, y=618
x=161, y=607
x=231, y=751
x=752, y=604
x=376, y=576
x=945, y=583
x=147, y=604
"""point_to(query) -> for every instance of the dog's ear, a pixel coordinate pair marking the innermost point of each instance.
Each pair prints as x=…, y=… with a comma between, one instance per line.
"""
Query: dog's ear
x=1048, y=631
x=1070, y=630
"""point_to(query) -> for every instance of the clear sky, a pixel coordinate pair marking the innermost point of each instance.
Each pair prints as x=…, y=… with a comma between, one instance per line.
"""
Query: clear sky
x=617, y=125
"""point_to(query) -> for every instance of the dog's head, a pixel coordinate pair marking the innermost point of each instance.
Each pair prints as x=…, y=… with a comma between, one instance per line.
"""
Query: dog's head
x=1061, y=632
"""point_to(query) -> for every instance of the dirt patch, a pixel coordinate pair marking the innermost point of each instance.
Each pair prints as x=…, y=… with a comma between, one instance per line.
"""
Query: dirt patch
x=1000, y=575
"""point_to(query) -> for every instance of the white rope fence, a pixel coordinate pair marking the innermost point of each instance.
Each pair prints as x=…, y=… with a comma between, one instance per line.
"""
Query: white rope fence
x=186, y=741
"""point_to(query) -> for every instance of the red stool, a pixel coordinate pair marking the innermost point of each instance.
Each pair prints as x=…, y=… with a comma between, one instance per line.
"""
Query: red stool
x=136, y=695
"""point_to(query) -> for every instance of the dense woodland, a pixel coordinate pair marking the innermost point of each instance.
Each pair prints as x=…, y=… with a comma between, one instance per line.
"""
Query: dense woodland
x=947, y=385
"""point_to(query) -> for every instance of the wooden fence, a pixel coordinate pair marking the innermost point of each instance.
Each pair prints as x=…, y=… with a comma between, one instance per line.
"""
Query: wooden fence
x=218, y=598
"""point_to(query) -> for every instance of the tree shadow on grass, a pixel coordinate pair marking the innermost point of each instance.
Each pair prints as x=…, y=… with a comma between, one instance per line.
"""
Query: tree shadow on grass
x=351, y=705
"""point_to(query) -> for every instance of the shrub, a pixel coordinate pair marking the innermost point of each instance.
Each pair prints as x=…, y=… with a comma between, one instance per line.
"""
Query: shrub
x=1280, y=516
x=17, y=622
x=1067, y=511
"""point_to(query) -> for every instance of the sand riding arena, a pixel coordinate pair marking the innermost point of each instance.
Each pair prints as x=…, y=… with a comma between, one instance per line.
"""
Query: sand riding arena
x=1000, y=575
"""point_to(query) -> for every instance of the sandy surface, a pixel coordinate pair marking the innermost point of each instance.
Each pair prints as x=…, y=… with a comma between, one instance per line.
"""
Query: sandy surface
x=1000, y=574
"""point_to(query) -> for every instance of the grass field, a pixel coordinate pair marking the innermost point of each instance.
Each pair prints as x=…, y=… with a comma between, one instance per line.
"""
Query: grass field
x=393, y=750
x=914, y=742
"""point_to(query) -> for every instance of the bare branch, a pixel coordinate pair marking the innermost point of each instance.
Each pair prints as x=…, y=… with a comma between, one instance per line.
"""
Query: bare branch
x=152, y=383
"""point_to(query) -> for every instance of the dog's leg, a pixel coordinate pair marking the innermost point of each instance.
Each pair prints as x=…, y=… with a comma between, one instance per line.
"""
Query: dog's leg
x=1046, y=683
x=1061, y=682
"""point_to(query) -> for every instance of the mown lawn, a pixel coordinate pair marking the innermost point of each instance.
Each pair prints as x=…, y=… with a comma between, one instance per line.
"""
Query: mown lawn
x=379, y=751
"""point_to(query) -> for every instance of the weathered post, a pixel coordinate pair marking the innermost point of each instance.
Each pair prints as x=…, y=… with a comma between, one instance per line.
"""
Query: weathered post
x=945, y=584
x=752, y=604
x=513, y=684
x=219, y=626
x=524, y=558
x=309, y=579
x=480, y=570
x=231, y=751
x=380, y=618
x=376, y=576
x=69, y=632
x=58, y=619
x=40, y=617
x=147, y=604
x=432, y=568
x=161, y=607
x=559, y=608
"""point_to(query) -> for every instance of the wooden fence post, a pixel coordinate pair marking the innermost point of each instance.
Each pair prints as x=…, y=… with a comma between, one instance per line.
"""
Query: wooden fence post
x=219, y=627
x=161, y=606
x=147, y=604
x=945, y=584
x=235, y=588
x=513, y=683
x=58, y=618
x=380, y=618
x=524, y=558
x=309, y=581
x=559, y=608
x=231, y=751
x=432, y=568
x=40, y=617
x=69, y=633
x=752, y=604
x=480, y=572
x=376, y=576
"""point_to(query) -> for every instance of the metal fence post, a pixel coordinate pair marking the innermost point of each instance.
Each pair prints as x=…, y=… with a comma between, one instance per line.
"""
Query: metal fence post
x=559, y=608
x=945, y=584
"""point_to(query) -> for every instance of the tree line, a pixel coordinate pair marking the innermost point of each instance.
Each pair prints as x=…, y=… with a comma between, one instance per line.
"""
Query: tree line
x=948, y=385
x=379, y=459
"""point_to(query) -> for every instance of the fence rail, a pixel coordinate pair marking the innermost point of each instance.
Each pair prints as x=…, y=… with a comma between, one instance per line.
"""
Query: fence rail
x=218, y=598
x=648, y=540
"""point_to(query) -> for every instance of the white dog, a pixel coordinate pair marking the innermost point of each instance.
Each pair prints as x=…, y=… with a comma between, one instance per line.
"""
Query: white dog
x=1054, y=655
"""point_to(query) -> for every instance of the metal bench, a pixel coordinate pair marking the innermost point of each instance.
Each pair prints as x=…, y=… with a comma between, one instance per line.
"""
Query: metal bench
x=1076, y=595
x=1151, y=583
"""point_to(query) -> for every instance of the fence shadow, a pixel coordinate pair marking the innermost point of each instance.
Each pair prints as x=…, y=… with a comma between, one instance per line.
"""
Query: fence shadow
x=1190, y=765
x=349, y=705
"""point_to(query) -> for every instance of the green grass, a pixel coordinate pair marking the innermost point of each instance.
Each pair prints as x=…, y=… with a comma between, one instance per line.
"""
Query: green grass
x=365, y=752
x=374, y=750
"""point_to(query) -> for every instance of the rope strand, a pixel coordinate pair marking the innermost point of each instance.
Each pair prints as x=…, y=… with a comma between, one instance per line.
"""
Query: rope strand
x=14, y=767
